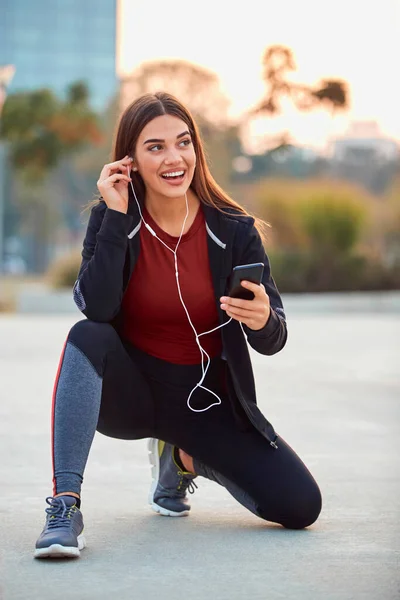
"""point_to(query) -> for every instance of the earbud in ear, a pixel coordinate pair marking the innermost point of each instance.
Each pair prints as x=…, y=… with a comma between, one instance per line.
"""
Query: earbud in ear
x=133, y=168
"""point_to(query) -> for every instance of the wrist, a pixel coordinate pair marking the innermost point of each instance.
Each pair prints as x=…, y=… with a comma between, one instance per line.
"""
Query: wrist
x=264, y=324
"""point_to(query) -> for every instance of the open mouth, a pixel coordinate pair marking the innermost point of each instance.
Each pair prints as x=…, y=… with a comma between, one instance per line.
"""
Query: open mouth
x=174, y=176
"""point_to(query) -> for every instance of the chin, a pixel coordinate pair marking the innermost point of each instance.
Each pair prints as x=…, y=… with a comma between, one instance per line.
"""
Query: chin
x=176, y=193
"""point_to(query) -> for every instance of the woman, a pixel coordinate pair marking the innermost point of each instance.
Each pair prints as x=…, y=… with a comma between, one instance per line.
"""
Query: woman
x=159, y=249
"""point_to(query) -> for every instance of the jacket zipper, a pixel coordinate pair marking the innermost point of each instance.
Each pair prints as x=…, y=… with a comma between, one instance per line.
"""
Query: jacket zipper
x=248, y=413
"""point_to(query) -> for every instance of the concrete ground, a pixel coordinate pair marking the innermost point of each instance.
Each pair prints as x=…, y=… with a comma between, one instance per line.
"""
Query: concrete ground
x=333, y=393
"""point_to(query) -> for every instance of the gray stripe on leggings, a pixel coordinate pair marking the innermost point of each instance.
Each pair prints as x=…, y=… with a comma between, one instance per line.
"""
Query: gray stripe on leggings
x=76, y=412
x=238, y=493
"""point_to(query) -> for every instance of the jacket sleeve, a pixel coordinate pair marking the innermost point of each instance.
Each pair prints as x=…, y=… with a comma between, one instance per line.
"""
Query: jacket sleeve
x=272, y=337
x=98, y=289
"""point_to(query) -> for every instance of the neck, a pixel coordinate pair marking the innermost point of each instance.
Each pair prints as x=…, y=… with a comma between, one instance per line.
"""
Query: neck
x=168, y=211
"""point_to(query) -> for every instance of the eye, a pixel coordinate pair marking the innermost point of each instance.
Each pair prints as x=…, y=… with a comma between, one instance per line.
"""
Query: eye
x=185, y=142
x=155, y=148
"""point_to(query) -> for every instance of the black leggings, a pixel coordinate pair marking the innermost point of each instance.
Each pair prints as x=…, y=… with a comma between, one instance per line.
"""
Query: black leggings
x=104, y=383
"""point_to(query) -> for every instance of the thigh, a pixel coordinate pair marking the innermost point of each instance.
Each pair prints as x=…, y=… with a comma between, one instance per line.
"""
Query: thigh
x=127, y=409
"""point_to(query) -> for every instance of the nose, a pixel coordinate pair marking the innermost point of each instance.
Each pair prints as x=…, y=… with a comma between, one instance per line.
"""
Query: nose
x=173, y=156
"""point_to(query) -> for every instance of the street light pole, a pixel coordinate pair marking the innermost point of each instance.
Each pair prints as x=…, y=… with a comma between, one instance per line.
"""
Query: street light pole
x=6, y=75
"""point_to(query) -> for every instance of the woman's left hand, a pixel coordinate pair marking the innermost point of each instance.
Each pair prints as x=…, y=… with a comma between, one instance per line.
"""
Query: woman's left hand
x=253, y=313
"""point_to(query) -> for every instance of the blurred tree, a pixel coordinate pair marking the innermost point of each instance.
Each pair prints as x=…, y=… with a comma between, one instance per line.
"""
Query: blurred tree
x=195, y=86
x=78, y=173
x=277, y=62
x=320, y=237
x=389, y=213
x=39, y=129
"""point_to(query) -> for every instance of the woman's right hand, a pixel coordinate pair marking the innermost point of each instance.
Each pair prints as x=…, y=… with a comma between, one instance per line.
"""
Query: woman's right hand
x=113, y=185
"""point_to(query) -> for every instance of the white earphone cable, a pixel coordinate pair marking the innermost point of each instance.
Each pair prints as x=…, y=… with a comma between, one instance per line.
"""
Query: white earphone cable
x=203, y=353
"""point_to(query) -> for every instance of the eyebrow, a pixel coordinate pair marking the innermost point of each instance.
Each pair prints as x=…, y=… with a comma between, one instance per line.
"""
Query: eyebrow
x=153, y=140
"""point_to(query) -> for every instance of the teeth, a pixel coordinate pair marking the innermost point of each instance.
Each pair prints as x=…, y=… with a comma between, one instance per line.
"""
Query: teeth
x=175, y=174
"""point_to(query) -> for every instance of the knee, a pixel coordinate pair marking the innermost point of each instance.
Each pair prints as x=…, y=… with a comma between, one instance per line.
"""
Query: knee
x=93, y=339
x=92, y=331
x=295, y=510
x=306, y=510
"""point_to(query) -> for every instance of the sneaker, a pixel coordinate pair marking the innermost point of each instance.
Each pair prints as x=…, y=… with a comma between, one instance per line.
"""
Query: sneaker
x=62, y=533
x=170, y=483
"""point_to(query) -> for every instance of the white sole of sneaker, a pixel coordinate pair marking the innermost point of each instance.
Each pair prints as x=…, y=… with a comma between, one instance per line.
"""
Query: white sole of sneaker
x=59, y=551
x=168, y=513
x=152, y=447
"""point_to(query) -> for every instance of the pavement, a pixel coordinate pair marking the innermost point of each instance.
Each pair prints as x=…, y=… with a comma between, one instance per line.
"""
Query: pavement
x=333, y=393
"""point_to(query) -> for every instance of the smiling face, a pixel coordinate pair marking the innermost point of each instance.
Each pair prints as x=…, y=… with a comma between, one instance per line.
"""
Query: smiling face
x=165, y=157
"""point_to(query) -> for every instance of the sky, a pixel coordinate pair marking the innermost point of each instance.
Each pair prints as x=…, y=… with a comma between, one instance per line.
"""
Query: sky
x=355, y=40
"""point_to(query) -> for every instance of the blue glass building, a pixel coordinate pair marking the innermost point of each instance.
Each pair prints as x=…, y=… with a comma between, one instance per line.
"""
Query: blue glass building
x=53, y=43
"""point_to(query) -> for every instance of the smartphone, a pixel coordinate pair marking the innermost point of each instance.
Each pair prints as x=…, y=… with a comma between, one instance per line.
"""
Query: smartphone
x=253, y=273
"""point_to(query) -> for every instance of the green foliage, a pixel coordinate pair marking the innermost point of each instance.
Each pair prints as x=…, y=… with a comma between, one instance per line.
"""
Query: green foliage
x=321, y=215
x=305, y=272
x=323, y=236
x=276, y=202
x=332, y=221
x=391, y=224
x=63, y=272
x=39, y=129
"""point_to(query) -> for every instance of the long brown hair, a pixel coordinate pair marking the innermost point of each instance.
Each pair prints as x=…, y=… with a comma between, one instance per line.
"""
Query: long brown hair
x=146, y=108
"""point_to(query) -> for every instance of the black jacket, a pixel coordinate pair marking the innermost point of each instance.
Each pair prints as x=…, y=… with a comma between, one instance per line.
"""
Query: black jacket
x=110, y=251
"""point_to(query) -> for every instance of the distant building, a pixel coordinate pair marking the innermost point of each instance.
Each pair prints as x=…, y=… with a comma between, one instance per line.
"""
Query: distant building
x=365, y=155
x=52, y=43
x=364, y=139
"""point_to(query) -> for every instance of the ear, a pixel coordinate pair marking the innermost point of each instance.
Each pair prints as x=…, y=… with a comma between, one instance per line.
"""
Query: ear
x=133, y=168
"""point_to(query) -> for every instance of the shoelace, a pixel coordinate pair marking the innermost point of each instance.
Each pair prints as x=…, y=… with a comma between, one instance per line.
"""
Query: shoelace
x=188, y=484
x=59, y=513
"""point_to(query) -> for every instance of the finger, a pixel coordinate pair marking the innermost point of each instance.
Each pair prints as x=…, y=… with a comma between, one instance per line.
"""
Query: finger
x=257, y=289
x=252, y=321
x=238, y=302
x=117, y=177
x=253, y=287
x=107, y=171
x=239, y=312
x=243, y=320
x=114, y=166
x=123, y=161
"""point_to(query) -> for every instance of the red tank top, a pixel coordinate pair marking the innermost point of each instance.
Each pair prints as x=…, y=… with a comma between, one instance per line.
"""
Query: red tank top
x=153, y=318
